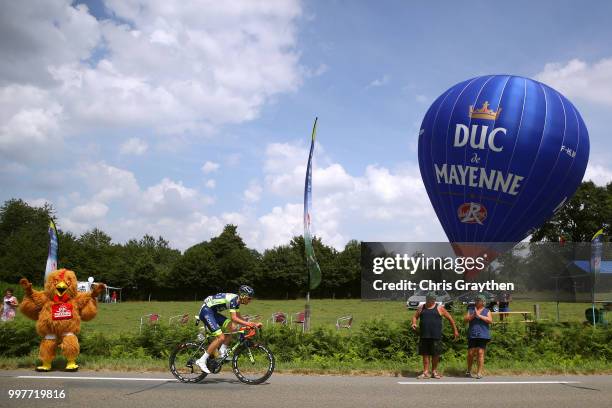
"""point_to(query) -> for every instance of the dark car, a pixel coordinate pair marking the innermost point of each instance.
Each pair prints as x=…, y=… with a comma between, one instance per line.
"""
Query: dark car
x=469, y=300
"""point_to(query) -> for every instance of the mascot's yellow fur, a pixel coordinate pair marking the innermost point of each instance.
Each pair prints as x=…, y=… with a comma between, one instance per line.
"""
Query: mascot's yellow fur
x=58, y=311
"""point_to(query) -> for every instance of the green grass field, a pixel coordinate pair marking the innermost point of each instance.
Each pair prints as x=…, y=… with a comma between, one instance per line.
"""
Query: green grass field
x=125, y=317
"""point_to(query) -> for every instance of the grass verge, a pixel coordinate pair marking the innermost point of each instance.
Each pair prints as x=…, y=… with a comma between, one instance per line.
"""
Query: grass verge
x=449, y=367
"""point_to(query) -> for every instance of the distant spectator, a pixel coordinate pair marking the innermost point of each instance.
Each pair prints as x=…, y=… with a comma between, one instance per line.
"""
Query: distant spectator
x=114, y=296
x=479, y=334
x=9, y=306
x=503, y=301
x=430, y=333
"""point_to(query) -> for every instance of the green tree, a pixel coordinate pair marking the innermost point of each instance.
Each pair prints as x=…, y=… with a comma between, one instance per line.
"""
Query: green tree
x=98, y=257
x=348, y=270
x=144, y=276
x=196, y=272
x=584, y=214
x=282, y=273
x=237, y=264
x=24, y=240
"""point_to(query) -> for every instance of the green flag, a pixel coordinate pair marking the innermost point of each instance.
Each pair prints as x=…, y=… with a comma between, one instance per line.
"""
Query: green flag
x=314, y=271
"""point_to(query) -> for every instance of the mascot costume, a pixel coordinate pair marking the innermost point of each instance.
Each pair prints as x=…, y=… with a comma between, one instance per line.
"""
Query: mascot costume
x=58, y=311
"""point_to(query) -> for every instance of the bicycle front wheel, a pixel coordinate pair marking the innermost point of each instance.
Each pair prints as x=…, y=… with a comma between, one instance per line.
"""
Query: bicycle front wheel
x=253, y=363
x=182, y=363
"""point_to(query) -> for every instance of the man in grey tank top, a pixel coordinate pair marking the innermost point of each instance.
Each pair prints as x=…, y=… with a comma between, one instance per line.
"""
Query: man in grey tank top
x=430, y=333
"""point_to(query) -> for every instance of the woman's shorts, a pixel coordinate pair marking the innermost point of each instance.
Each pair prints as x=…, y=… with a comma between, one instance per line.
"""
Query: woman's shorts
x=478, y=343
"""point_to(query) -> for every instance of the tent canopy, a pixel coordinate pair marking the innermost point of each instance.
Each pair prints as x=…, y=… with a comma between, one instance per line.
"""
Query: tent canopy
x=606, y=266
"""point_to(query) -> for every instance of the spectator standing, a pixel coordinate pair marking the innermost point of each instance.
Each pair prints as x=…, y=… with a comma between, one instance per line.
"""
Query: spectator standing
x=430, y=334
x=9, y=304
x=479, y=334
x=503, y=300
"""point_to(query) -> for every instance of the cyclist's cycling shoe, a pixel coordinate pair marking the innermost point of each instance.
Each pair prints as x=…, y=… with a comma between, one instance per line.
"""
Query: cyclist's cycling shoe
x=201, y=362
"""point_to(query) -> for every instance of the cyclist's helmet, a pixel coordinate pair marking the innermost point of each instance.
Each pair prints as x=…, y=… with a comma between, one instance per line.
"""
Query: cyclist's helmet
x=246, y=291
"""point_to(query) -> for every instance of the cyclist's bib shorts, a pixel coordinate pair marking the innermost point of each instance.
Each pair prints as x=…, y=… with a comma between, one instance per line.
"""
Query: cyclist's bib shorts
x=215, y=322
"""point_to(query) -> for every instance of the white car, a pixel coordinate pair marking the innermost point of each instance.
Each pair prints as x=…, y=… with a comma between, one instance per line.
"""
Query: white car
x=418, y=299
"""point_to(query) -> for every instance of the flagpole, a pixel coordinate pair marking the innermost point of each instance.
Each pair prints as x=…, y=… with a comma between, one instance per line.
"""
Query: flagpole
x=307, y=306
x=307, y=313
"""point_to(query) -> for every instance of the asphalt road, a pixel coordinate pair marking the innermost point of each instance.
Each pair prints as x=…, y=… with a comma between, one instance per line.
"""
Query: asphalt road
x=118, y=389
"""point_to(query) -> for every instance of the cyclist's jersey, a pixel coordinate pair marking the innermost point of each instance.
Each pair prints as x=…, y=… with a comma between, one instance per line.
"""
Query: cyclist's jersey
x=222, y=301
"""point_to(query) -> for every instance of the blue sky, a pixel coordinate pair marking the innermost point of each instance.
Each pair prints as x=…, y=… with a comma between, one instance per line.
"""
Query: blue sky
x=111, y=109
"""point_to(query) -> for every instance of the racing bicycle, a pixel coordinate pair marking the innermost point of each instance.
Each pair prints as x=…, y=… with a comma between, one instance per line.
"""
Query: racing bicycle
x=252, y=362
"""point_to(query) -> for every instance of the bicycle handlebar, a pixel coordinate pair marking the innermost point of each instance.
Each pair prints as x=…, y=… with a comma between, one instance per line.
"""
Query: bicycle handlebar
x=248, y=331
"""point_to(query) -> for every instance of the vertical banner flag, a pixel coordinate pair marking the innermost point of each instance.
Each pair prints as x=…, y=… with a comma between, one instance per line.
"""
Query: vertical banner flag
x=53, y=247
x=314, y=271
x=596, y=249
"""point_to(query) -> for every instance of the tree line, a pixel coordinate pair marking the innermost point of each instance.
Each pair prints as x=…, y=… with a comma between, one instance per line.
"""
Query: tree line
x=150, y=267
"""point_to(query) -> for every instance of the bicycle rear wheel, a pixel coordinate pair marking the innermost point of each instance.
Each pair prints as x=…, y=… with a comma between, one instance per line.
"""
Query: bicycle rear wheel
x=253, y=363
x=182, y=363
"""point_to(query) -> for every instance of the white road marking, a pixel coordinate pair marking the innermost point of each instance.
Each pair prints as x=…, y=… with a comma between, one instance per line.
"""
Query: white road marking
x=57, y=377
x=484, y=382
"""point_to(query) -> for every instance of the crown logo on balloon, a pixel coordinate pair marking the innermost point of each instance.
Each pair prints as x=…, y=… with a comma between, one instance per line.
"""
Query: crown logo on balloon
x=484, y=112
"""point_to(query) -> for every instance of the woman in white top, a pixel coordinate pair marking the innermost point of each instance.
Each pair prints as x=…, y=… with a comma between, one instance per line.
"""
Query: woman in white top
x=9, y=306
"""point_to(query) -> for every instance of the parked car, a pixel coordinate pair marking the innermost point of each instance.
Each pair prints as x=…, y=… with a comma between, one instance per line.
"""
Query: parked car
x=418, y=298
x=469, y=300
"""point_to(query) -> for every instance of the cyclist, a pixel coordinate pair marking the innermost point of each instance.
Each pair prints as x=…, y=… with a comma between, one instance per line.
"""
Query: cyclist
x=217, y=323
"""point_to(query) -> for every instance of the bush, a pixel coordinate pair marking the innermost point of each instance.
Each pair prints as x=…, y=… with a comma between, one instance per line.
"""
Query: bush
x=154, y=342
x=376, y=341
x=18, y=338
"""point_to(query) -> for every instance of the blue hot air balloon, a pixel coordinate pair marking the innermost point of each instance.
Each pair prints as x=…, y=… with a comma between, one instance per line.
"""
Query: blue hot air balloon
x=499, y=155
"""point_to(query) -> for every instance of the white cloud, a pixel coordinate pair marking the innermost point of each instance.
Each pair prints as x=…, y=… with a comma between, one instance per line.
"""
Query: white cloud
x=134, y=146
x=280, y=225
x=38, y=34
x=598, y=174
x=318, y=71
x=422, y=99
x=233, y=159
x=379, y=197
x=116, y=203
x=91, y=211
x=175, y=68
x=579, y=79
x=109, y=183
x=37, y=202
x=169, y=197
x=210, y=167
x=29, y=122
x=253, y=193
x=380, y=81
x=390, y=204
